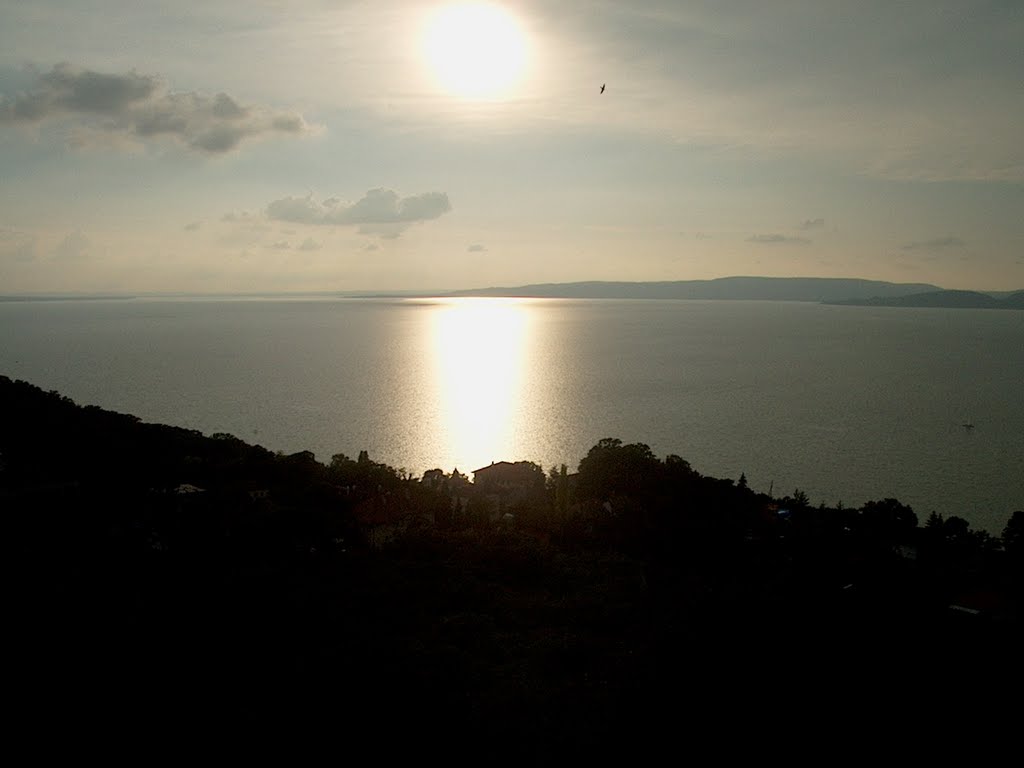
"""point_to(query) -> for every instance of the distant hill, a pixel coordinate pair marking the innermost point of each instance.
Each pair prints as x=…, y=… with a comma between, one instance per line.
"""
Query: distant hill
x=64, y=297
x=1014, y=300
x=736, y=288
x=943, y=299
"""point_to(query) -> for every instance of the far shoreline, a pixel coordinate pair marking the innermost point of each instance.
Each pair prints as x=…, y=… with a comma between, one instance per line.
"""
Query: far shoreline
x=822, y=290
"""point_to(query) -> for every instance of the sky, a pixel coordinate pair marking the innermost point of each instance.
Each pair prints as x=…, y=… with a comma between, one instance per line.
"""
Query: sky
x=334, y=145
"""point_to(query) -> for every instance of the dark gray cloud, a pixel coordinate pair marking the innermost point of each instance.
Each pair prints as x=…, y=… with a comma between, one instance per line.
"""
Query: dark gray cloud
x=87, y=91
x=193, y=226
x=935, y=244
x=476, y=248
x=379, y=212
x=139, y=106
x=777, y=238
x=812, y=224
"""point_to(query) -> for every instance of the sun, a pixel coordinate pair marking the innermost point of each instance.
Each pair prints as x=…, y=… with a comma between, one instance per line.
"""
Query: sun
x=476, y=50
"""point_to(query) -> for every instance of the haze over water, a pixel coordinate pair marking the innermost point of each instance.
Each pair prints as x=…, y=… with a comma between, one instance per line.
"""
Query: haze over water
x=846, y=403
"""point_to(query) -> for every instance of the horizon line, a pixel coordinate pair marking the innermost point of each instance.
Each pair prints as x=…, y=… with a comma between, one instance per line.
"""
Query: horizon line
x=429, y=292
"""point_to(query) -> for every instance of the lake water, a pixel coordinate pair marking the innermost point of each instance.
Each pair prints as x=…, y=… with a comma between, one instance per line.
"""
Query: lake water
x=846, y=403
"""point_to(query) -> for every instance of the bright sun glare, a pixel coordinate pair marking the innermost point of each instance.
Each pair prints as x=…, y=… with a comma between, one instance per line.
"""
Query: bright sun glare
x=476, y=50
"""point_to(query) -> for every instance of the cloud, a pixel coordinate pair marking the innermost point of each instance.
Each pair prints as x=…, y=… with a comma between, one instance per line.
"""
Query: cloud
x=935, y=244
x=476, y=248
x=301, y=210
x=193, y=226
x=310, y=245
x=281, y=245
x=776, y=238
x=133, y=106
x=74, y=246
x=379, y=212
x=812, y=224
x=64, y=89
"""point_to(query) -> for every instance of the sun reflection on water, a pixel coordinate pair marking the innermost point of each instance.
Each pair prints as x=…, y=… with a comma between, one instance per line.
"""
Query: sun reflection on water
x=479, y=354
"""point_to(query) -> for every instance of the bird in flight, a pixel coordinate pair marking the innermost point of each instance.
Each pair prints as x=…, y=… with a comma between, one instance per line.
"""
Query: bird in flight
x=602, y=87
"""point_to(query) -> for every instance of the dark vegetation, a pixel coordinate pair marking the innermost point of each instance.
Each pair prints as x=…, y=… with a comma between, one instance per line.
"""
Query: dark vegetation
x=164, y=577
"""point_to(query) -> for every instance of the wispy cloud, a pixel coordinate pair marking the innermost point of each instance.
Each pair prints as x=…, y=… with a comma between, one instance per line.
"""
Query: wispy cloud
x=808, y=224
x=935, y=244
x=193, y=226
x=775, y=238
x=379, y=212
x=136, y=107
x=476, y=248
x=309, y=244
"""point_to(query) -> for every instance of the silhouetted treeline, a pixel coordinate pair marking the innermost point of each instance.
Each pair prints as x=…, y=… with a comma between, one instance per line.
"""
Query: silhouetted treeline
x=537, y=617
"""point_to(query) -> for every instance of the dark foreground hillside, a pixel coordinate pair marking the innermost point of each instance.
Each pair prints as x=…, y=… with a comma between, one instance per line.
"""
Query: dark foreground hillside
x=163, y=579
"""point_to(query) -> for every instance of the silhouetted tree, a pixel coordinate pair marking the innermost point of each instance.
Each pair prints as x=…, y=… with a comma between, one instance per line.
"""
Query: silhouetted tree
x=364, y=477
x=433, y=478
x=678, y=478
x=1013, y=535
x=956, y=529
x=611, y=468
x=888, y=520
x=1013, y=544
